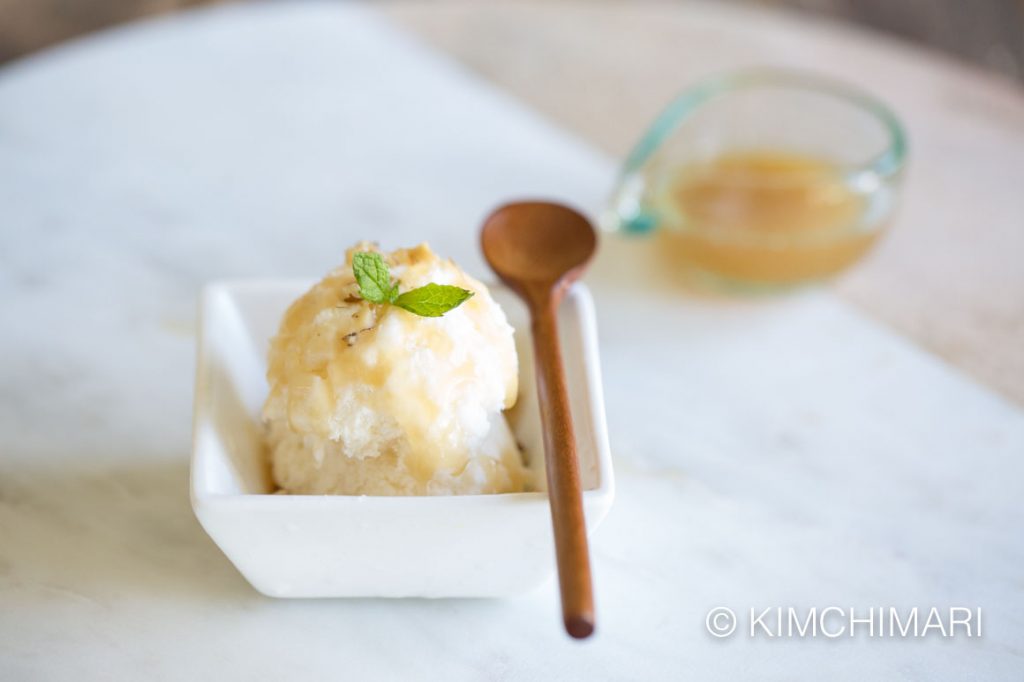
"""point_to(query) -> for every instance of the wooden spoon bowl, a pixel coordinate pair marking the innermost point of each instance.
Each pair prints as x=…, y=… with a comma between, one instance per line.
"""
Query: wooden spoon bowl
x=537, y=245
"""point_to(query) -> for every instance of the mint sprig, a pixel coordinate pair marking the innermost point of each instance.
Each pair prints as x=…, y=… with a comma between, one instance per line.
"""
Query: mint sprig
x=375, y=285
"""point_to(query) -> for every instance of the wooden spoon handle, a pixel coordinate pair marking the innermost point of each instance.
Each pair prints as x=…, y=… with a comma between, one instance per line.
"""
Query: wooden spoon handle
x=563, y=472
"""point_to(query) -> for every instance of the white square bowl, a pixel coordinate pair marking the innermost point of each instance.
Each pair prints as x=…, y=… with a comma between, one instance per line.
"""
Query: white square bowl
x=365, y=546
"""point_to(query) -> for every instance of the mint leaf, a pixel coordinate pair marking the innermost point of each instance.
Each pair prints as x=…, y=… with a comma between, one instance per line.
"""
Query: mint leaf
x=373, y=277
x=432, y=300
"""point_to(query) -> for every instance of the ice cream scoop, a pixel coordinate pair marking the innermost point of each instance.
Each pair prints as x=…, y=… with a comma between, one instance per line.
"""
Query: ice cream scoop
x=369, y=399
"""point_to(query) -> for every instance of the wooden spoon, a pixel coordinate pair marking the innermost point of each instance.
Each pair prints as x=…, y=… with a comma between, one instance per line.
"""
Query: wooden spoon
x=538, y=249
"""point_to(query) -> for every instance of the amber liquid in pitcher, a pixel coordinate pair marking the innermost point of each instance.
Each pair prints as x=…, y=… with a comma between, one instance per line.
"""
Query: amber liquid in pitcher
x=771, y=217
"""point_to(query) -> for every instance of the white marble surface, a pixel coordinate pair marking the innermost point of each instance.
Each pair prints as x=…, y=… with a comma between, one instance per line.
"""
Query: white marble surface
x=783, y=452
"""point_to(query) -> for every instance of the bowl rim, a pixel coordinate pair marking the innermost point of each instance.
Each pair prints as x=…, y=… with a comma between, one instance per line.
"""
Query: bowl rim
x=887, y=163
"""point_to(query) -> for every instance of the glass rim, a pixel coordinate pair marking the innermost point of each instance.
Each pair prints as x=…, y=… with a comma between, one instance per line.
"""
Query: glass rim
x=883, y=165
